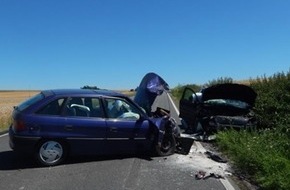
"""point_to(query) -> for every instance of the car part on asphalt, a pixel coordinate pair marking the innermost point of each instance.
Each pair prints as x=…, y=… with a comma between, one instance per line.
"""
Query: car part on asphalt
x=215, y=157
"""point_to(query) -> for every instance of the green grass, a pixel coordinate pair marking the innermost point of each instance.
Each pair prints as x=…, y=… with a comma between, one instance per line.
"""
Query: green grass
x=264, y=157
x=5, y=121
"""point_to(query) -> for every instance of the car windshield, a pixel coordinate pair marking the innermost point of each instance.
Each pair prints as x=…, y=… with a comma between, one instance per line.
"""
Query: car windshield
x=22, y=106
x=234, y=103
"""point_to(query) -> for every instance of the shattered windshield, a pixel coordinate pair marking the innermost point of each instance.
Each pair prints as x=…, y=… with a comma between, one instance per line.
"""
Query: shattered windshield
x=228, y=102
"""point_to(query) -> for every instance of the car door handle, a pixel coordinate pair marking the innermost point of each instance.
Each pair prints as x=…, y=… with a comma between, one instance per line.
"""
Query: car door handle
x=113, y=129
x=68, y=127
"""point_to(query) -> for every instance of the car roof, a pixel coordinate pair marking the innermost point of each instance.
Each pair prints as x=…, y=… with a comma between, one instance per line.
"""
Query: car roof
x=100, y=92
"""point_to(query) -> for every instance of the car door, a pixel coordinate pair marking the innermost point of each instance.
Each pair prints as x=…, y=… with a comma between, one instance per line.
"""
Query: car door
x=188, y=107
x=85, y=125
x=127, y=128
x=47, y=121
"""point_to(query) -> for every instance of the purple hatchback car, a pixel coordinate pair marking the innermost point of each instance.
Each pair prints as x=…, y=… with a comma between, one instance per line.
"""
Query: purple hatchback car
x=56, y=123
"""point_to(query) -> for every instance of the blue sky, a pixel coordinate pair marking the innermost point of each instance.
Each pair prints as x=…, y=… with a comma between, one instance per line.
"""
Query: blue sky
x=112, y=44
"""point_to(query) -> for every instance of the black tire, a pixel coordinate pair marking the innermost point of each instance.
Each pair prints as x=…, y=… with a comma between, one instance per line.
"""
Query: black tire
x=167, y=146
x=51, y=152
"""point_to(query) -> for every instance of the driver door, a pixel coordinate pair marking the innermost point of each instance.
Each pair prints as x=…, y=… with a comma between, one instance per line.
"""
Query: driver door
x=188, y=107
x=127, y=128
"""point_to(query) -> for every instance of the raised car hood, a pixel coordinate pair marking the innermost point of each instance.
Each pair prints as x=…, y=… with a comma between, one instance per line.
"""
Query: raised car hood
x=151, y=86
x=230, y=91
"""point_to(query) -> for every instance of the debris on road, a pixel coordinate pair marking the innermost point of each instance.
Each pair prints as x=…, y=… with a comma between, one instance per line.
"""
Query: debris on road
x=215, y=157
x=200, y=161
x=203, y=175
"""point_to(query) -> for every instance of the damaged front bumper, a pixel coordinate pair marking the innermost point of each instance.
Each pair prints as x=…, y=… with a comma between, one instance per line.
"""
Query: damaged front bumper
x=219, y=122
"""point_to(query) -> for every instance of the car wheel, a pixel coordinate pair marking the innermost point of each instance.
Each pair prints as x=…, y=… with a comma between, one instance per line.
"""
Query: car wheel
x=51, y=152
x=167, y=146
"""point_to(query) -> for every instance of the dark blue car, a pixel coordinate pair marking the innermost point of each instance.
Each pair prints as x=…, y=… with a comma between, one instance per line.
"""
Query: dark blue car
x=55, y=123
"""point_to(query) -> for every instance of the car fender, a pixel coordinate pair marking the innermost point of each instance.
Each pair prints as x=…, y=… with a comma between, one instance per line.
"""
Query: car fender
x=164, y=125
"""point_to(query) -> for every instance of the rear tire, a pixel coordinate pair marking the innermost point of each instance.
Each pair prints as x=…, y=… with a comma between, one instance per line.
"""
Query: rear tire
x=51, y=152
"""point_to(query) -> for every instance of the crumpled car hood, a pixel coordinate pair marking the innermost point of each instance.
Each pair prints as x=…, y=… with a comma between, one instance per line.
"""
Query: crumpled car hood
x=151, y=86
x=230, y=91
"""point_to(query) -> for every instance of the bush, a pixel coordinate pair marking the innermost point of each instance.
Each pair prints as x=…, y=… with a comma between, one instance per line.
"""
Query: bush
x=178, y=90
x=273, y=101
x=221, y=80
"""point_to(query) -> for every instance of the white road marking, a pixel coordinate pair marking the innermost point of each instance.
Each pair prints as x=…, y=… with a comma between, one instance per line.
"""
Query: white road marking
x=227, y=184
x=4, y=135
x=174, y=106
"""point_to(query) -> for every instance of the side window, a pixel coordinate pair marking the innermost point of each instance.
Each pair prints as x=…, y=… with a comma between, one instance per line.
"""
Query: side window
x=119, y=108
x=188, y=94
x=22, y=106
x=95, y=107
x=84, y=107
x=52, y=108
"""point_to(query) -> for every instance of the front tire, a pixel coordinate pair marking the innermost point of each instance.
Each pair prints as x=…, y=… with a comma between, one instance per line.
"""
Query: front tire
x=51, y=152
x=167, y=146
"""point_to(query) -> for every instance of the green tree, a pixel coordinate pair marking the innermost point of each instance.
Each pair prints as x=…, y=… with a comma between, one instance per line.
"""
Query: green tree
x=90, y=87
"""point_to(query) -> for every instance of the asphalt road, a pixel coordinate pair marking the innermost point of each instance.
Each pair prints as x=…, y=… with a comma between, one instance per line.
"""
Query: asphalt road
x=114, y=172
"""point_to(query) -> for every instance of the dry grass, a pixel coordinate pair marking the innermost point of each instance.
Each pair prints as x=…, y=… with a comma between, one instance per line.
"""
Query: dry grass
x=8, y=99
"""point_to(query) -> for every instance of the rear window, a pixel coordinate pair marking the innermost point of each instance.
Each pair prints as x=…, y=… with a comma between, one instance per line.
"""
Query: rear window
x=22, y=106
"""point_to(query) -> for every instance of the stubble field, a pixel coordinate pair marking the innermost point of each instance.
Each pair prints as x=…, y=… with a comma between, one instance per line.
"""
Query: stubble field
x=8, y=99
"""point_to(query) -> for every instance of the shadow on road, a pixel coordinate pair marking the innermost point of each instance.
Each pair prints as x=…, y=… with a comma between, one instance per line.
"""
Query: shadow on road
x=10, y=160
x=96, y=158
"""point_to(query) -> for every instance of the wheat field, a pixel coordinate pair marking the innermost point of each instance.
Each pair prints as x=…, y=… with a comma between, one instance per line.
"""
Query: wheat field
x=8, y=99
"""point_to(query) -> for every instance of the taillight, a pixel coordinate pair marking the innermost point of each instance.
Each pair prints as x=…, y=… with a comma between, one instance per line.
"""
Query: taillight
x=18, y=126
